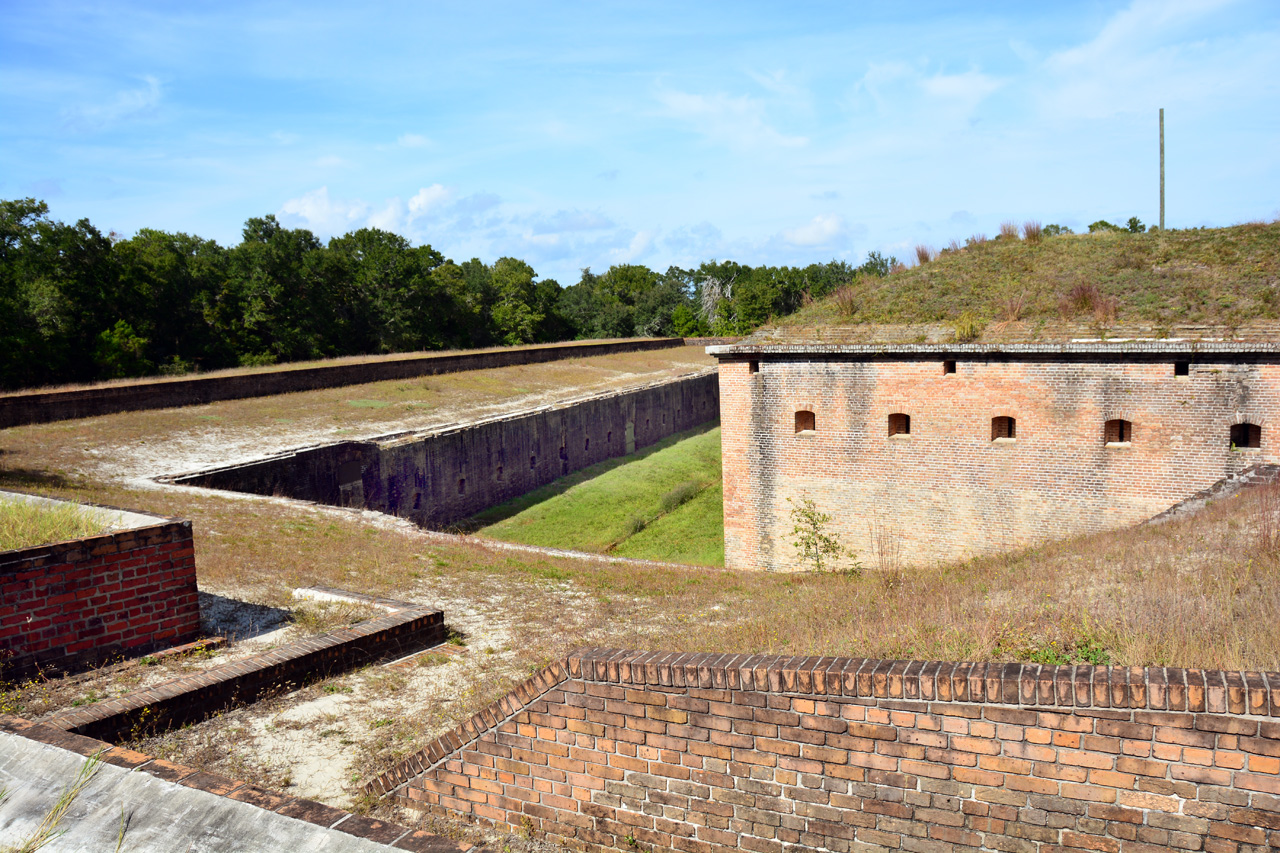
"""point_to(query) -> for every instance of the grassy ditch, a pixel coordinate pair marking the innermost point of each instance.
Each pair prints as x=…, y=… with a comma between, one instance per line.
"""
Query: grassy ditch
x=663, y=503
x=24, y=525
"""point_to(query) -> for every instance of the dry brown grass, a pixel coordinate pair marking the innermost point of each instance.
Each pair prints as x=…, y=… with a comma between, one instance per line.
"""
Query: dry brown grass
x=846, y=298
x=1032, y=232
x=924, y=254
x=1199, y=592
x=1009, y=230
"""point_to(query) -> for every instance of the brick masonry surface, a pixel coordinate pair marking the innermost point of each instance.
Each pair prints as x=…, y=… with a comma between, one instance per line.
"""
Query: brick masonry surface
x=441, y=478
x=948, y=489
x=192, y=698
x=318, y=814
x=35, y=407
x=79, y=602
x=617, y=749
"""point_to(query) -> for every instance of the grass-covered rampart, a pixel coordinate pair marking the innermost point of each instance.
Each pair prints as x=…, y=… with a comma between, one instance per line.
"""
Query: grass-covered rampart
x=1224, y=277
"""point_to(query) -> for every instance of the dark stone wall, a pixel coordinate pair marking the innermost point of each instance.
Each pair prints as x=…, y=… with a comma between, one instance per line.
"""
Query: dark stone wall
x=43, y=407
x=440, y=479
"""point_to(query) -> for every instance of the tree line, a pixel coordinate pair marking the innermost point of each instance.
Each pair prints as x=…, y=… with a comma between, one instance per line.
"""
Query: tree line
x=77, y=305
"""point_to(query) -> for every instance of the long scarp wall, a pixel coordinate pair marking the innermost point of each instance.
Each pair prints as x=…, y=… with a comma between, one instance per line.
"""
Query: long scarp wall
x=627, y=750
x=442, y=478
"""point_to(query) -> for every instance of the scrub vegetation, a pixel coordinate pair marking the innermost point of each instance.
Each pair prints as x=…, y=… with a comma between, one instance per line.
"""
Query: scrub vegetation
x=1111, y=277
x=24, y=524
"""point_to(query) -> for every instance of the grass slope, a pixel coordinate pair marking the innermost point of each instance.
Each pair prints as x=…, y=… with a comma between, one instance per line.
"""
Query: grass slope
x=663, y=503
x=1218, y=276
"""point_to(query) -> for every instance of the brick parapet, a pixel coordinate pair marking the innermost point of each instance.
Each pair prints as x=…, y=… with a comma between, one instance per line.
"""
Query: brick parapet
x=34, y=407
x=79, y=602
x=700, y=753
x=396, y=836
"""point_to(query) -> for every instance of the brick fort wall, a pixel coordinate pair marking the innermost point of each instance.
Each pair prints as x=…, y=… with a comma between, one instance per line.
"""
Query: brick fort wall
x=442, y=478
x=79, y=602
x=948, y=488
x=626, y=750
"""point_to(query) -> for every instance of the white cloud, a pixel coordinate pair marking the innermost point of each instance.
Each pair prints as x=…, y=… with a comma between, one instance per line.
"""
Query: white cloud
x=329, y=161
x=413, y=140
x=1155, y=54
x=428, y=199
x=820, y=230
x=571, y=220
x=129, y=104
x=737, y=122
x=320, y=213
x=639, y=246
x=962, y=91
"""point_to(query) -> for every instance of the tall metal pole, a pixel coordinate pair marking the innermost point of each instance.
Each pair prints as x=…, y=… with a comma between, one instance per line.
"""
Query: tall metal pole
x=1162, y=168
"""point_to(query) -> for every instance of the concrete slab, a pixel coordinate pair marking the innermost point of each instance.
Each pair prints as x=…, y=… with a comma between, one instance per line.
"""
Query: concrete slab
x=160, y=816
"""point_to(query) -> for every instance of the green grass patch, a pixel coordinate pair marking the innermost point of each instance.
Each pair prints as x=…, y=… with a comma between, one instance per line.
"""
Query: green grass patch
x=25, y=525
x=663, y=503
x=691, y=533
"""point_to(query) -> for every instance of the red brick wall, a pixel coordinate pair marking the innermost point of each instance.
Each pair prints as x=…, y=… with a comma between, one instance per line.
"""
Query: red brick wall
x=633, y=750
x=78, y=602
x=948, y=491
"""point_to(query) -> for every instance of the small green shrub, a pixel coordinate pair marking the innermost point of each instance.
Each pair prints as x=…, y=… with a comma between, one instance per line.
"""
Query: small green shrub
x=968, y=327
x=680, y=495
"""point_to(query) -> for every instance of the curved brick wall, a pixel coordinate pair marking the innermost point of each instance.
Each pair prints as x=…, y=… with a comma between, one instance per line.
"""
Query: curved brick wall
x=946, y=489
x=619, y=749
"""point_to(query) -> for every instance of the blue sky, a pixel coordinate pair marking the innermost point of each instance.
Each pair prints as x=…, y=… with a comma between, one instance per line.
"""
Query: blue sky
x=588, y=134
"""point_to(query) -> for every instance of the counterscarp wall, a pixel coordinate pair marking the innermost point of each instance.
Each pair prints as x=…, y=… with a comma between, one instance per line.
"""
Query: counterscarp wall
x=634, y=750
x=44, y=406
x=79, y=602
x=442, y=478
x=900, y=450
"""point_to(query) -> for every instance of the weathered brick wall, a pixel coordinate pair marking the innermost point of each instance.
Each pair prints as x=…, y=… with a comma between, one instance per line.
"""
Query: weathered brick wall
x=442, y=478
x=947, y=490
x=633, y=750
x=36, y=407
x=81, y=601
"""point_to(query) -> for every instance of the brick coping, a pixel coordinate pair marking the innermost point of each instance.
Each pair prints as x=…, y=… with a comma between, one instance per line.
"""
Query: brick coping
x=1086, y=689
x=1113, y=347
x=395, y=836
x=197, y=696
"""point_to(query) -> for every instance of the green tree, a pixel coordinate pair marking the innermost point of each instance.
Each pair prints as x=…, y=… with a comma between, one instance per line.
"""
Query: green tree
x=515, y=313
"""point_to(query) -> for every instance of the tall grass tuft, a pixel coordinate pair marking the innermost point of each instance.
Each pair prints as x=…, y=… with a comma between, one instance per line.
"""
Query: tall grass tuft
x=25, y=525
x=967, y=327
x=846, y=300
x=1031, y=231
x=1009, y=230
x=924, y=254
x=1011, y=307
x=680, y=495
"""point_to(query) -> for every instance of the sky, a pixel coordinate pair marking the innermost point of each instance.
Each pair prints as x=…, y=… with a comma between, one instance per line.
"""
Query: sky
x=577, y=135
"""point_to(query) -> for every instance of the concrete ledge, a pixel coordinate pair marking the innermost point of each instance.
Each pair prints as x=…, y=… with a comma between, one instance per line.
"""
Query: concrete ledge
x=43, y=407
x=289, y=823
x=197, y=697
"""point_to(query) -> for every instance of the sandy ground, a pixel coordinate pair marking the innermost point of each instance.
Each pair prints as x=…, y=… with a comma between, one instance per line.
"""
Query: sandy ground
x=324, y=741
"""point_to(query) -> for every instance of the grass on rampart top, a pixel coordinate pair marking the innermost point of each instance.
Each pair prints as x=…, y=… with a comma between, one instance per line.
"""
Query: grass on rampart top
x=25, y=525
x=1224, y=277
x=662, y=503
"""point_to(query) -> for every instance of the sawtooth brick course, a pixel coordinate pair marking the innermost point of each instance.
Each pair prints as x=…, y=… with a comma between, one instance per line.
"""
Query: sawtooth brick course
x=851, y=767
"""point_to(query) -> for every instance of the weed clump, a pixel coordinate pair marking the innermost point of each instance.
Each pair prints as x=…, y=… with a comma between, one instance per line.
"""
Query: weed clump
x=25, y=525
